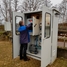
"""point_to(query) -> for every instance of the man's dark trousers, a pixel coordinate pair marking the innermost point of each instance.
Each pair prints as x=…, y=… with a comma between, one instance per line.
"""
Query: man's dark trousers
x=23, y=48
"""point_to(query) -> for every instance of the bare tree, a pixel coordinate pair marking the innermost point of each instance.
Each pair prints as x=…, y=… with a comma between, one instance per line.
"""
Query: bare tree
x=63, y=9
x=4, y=10
x=10, y=10
x=32, y=5
x=15, y=5
x=48, y=3
x=1, y=18
x=7, y=7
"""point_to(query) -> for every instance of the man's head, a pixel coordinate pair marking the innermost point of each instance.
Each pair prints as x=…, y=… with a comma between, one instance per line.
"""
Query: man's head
x=21, y=23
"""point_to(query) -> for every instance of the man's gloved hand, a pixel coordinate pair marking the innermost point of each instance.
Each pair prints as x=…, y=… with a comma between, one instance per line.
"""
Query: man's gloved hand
x=31, y=24
x=30, y=28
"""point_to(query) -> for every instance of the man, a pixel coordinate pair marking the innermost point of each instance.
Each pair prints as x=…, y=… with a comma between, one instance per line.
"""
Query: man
x=24, y=39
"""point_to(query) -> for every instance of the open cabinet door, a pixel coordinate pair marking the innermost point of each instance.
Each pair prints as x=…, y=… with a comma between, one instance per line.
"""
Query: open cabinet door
x=46, y=37
x=16, y=44
x=36, y=26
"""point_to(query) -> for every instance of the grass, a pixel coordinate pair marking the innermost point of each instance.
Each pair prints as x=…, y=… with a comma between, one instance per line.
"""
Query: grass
x=7, y=61
x=1, y=32
x=60, y=62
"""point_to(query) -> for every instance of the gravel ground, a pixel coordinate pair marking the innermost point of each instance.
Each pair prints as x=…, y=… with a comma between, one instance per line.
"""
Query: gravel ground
x=7, y=61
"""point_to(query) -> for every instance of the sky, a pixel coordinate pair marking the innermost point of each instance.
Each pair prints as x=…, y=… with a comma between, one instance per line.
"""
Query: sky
x=54, y=2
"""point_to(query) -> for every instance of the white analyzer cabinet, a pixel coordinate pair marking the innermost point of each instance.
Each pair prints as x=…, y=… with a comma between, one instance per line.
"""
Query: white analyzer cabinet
x=43, y=38
x=7, y=26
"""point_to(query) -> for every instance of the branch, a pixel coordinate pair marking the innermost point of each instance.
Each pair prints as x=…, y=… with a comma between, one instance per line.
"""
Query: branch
x=3, y=13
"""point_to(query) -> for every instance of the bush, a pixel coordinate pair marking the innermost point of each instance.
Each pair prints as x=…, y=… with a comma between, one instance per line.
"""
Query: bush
x=4, y=35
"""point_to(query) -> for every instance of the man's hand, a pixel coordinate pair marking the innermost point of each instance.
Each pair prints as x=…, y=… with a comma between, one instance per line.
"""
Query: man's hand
x=31, y=24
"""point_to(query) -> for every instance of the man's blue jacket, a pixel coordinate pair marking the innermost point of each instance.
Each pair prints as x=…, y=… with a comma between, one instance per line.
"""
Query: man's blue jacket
x=24, y=33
